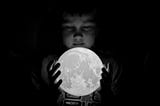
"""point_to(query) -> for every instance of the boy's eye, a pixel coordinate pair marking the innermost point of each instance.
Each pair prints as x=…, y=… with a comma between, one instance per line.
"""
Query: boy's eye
x=87, y=28
x=69, y=28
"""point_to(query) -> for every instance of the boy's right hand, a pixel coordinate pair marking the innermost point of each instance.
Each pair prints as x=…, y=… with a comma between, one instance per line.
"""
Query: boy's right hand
x=52, y=76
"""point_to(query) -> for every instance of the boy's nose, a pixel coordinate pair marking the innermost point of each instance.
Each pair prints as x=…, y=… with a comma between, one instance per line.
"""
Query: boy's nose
x=78, y=35
x=78, y=39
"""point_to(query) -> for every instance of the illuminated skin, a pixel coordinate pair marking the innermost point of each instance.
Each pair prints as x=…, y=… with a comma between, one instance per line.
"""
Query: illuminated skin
x=78, y=31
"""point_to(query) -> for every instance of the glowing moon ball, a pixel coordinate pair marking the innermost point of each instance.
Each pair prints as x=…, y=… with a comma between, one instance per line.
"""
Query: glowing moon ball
x=80, y=71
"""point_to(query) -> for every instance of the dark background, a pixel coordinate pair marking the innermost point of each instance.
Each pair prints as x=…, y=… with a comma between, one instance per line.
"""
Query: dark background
x=125, y=30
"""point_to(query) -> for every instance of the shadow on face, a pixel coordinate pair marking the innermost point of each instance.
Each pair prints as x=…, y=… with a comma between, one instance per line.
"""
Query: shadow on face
x=78, y=31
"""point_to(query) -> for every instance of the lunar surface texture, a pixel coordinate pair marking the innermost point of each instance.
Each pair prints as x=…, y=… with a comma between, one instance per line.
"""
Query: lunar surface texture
x=80, y=71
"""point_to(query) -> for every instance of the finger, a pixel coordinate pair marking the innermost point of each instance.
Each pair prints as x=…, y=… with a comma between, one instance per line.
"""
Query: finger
x=54, y=68
x=104, y=73
x=59, y=83
x=56, y=75
x=49, y=65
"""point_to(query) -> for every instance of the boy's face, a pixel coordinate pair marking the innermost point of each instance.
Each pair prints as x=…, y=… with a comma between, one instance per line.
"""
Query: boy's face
x=78, y=31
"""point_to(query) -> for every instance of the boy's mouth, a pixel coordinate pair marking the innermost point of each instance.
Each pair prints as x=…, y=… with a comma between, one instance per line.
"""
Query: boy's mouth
x=78, y=44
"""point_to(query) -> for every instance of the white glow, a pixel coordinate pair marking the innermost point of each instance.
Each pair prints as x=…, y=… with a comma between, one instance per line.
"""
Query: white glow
x=79, y=81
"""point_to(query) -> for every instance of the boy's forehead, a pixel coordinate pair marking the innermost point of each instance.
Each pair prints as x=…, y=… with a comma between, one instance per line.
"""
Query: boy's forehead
x=78, y=20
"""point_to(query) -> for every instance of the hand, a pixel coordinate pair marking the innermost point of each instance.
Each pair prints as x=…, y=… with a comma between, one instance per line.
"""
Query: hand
x=105, y=83
x=52, y=76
